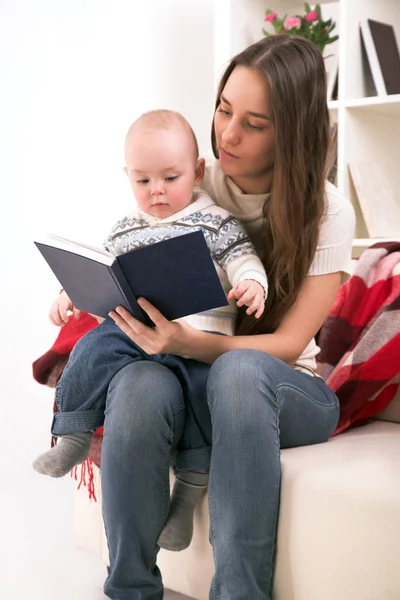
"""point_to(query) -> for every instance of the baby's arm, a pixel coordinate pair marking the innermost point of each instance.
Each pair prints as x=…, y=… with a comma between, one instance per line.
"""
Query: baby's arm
x=251, y=293
x=235, y=253
x=250, y=286
x=60, y=307
x=58, y=314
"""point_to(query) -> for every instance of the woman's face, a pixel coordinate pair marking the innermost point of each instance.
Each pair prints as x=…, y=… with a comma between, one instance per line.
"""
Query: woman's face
x=244, y=131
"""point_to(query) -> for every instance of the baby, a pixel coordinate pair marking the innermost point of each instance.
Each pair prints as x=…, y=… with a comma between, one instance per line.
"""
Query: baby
x=164, y=171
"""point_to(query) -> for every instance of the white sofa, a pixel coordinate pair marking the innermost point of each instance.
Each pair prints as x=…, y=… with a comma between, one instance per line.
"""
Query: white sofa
x=339, y=522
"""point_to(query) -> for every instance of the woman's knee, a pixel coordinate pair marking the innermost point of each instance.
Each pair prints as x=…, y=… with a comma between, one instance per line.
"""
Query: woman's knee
x=143, y=396
x=238, y=378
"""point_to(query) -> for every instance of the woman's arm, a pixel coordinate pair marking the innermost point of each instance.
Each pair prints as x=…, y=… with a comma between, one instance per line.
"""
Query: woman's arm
x=300, y=325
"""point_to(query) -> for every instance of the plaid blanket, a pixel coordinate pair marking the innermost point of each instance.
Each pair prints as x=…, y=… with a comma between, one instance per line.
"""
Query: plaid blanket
x=359, y=341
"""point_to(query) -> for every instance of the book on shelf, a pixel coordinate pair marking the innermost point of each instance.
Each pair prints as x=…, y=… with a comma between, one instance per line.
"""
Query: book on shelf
x=381, y=57
x=377, y=201
x=332, y=76
x=332, y=155
x=176, y=275
x=331, y=10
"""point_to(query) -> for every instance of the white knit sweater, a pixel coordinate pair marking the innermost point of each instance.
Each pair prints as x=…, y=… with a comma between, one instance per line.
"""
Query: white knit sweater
x=233, y=254
x=333, y=253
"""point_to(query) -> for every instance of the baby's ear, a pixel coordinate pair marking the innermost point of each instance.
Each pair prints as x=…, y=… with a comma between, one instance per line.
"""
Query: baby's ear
x=125, y=170
x=199, y=172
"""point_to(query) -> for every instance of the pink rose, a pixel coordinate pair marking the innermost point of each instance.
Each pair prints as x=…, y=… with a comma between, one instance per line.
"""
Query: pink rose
x=292, y=22
x=271, y=17
x=312, y=16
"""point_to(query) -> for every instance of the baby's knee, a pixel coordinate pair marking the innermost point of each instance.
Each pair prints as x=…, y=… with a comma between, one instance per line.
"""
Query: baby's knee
x=143, y=395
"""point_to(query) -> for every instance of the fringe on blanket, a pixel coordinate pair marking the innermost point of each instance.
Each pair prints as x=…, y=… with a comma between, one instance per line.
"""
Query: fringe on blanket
x=86, y=472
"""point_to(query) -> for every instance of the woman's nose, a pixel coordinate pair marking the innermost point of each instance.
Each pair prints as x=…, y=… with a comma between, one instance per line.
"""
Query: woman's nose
x=231, y=135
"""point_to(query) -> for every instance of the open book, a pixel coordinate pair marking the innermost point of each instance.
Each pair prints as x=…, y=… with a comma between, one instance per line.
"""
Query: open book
x=176, y=275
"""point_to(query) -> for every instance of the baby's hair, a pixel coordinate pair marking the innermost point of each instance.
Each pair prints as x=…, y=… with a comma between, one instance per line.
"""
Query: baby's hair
x=163, y=119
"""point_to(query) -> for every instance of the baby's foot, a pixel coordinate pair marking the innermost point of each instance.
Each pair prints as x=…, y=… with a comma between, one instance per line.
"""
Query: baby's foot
x=70, y=451
x=178, y=530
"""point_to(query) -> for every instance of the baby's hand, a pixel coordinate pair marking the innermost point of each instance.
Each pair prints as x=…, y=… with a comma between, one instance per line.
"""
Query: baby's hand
x=58, y=311
x=250, y=293
x=98, y=319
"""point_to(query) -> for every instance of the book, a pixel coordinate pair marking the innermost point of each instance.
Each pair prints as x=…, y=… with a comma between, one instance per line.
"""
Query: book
x=332, y=76
x=381, y=49
x=376, y=198
x=332, y=155
x=176, y=275
x=331, y=11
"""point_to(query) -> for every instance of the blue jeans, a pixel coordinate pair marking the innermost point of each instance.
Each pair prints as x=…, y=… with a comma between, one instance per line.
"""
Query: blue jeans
x=96, y=358
x=258, y=404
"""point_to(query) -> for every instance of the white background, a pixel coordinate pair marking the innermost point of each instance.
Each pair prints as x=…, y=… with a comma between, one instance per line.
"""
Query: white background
x=73, y=75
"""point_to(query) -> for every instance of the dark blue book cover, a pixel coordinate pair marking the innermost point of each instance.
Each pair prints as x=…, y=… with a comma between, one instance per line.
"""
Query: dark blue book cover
x=176, y=275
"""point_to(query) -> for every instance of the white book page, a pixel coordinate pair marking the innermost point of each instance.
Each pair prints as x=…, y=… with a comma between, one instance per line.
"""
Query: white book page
x=98, y=254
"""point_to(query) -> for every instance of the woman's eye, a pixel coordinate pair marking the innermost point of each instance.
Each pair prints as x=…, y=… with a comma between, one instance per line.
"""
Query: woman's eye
x=142, y=181
x=172, y=178
x=224, y=112
x=255, y=127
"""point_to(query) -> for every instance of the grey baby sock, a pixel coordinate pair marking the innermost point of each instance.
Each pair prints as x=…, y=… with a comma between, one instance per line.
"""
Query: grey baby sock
x=178, y=529
x=70, y=451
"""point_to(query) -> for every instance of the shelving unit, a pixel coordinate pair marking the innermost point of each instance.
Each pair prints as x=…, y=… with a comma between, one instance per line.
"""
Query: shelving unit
x=368, y=126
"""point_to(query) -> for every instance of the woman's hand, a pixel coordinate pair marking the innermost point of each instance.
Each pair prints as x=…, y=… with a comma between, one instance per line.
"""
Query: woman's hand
x=59, y=309
x=167, y=337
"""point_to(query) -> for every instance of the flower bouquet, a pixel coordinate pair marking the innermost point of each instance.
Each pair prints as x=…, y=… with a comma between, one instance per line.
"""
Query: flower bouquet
x=310, y=26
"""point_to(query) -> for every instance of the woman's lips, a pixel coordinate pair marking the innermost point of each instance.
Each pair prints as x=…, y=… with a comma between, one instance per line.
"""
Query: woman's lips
x=227, y=154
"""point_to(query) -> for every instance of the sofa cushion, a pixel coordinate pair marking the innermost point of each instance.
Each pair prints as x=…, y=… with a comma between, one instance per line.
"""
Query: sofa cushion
x=392, y=411
x=339, y=523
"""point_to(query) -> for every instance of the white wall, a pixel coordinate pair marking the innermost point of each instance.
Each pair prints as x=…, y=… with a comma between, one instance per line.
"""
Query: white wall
x=73, y=75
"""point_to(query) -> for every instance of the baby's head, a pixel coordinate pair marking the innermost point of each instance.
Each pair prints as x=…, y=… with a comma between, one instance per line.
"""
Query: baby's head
x=162, y=162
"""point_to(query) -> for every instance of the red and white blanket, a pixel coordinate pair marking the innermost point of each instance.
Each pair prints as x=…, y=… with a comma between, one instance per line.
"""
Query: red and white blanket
x=359, y=341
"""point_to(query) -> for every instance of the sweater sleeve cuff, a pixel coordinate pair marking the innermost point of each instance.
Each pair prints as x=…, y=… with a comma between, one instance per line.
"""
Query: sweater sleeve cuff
x=255, y=276
x=331, y=259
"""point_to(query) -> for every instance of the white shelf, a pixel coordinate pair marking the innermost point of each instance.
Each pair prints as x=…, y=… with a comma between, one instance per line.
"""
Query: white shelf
x=366, y=242
x=385, y=105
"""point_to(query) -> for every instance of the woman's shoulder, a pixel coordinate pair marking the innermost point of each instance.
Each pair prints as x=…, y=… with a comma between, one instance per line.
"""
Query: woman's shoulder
x=339, y=212
x=336, y=202
x=336, y=234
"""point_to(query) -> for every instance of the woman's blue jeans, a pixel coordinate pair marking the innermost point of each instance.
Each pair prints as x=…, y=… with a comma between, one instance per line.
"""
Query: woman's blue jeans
x=258, y=405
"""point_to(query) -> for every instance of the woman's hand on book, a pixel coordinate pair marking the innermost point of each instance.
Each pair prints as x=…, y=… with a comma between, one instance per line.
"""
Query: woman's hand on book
x=59, y=309
x=167, y=337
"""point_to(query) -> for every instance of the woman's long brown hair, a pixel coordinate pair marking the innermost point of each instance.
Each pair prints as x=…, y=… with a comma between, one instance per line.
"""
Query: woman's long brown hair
x=295, y=72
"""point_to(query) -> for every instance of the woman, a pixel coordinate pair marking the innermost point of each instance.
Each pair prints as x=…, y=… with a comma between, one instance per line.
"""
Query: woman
x=271, y=134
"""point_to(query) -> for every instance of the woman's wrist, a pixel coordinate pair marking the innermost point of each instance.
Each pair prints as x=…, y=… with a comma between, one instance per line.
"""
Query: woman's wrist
x=205, y=347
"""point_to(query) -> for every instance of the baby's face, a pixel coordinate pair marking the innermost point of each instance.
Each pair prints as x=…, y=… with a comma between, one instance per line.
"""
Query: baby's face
x=161, y=166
